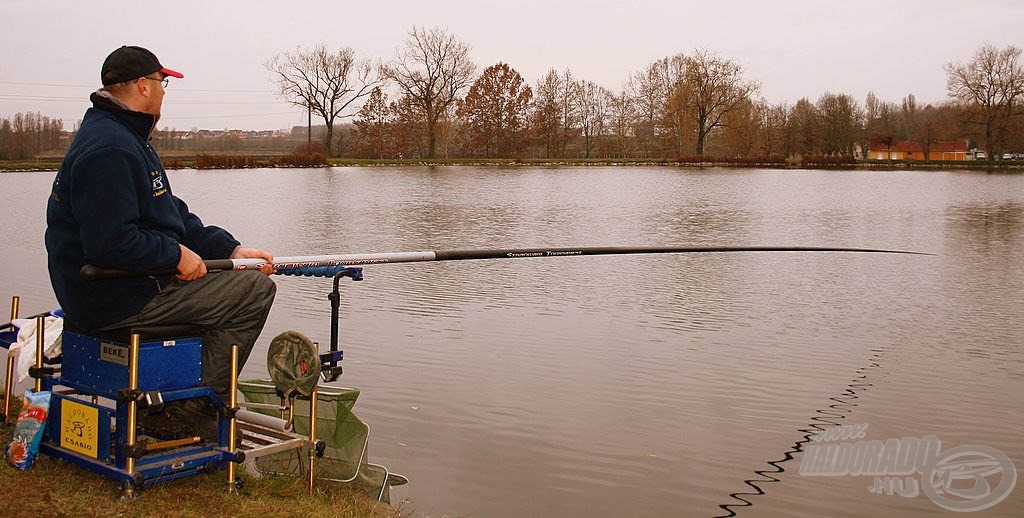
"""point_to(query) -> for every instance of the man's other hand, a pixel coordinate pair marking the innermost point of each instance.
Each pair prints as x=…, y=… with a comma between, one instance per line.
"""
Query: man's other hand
x=190, y=266
x=243, y=252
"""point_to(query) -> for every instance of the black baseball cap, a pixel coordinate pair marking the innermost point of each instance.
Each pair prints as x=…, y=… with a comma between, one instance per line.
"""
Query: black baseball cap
x=131, y=62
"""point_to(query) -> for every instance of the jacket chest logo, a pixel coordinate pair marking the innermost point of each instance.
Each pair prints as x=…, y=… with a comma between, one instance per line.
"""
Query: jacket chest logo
x=157, y=179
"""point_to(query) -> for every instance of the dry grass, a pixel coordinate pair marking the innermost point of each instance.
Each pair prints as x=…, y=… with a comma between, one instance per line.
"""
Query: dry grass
x=55, y=488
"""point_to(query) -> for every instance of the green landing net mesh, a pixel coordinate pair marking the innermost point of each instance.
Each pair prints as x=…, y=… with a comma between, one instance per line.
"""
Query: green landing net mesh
x=345, y=460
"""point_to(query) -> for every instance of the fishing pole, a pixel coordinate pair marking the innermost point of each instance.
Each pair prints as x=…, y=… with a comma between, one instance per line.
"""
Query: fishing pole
x=329, y=263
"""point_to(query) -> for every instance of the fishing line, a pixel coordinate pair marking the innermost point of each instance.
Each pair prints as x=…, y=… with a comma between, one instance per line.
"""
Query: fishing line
x=842, y=405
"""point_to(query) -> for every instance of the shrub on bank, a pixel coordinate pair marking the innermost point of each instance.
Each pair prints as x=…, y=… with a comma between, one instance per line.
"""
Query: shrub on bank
x=305, y=156
x=172, y=163
x=827, y=160
x=720, y=160
x=204, y=161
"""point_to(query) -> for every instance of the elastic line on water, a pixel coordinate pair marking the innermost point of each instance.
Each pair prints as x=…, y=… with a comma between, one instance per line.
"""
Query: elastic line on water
x=826, y=418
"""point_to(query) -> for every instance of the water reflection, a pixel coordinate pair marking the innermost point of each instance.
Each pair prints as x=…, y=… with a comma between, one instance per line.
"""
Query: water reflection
x=986, y=225
x=635, y=385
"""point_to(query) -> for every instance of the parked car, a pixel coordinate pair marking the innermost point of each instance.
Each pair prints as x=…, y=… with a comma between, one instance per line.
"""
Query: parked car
x=1007, y=156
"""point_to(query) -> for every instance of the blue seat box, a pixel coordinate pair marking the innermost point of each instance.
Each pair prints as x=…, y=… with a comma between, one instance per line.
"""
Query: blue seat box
x=100, y=366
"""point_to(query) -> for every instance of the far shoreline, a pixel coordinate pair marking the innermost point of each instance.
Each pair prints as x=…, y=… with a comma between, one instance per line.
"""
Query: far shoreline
x=260, y=162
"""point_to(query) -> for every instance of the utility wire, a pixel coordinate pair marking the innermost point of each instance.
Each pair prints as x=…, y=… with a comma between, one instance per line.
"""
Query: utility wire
x=176, y=89
x=170, y=102
x=163, y=118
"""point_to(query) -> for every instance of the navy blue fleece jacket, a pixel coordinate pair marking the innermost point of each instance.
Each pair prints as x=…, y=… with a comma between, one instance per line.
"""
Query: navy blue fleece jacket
x=112, y=206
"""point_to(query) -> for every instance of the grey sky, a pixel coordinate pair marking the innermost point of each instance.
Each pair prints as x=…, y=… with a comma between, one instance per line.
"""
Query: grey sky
x=793, y=48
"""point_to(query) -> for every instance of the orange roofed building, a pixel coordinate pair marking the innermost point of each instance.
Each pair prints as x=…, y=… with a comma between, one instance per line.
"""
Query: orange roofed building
x=911, y=150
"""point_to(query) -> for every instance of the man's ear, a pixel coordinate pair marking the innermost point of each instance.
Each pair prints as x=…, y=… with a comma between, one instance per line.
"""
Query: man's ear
x=142, y=86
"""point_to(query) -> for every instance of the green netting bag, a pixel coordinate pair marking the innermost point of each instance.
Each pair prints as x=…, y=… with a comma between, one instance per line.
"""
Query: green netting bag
x=346, y=459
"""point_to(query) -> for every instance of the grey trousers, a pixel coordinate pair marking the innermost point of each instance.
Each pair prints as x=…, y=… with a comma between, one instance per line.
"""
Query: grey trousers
x=231, y=307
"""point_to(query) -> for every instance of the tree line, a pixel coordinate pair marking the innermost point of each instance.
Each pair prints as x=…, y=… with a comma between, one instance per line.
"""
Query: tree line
x=430, y=101
x=25, y=135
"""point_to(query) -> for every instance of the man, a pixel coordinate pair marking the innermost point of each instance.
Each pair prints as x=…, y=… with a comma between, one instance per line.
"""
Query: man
x=112, y=206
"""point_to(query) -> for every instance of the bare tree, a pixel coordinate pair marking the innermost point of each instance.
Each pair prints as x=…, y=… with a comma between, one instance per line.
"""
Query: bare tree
x=432, y=68
x=27, y=134
x=927, y=129
x=326, y=83
x=571, y=116
x=919, y=124
x=547, y=113
x=806, y=123
x=621, y=117
x=592, y=106
x=406, y=127
x=777, y=140
x=842, y=123
x=372, y=124
x=647, y=93
x=909, y=112
x=678, y=114
x=881, y=122
x=555, y=117
x=990, y=89
x=716, y=86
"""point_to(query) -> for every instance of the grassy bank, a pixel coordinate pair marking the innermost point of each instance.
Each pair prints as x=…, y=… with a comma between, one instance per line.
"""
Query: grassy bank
x=55, y=488
x=38, y=165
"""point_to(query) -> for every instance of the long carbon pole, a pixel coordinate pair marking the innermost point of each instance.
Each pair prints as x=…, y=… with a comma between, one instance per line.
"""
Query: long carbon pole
x=283, y=263
x=510, y=253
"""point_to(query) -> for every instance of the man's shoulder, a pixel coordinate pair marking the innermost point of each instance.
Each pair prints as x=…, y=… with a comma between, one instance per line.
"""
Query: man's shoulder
x=101, y=123
x=102, y=132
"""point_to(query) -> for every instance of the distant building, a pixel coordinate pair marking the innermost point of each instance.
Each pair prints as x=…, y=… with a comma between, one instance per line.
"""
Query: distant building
x=912, y=150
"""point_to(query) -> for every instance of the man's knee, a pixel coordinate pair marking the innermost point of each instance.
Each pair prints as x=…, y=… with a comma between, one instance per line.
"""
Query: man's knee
x=261, y=286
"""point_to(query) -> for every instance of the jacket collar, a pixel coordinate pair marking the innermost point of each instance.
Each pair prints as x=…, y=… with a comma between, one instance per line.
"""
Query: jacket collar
x=142, y=124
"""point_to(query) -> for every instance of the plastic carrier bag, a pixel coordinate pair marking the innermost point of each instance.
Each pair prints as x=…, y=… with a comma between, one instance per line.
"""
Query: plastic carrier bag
x=29, y=430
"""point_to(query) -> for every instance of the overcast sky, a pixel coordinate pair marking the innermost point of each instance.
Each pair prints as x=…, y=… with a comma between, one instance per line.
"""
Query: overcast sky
x=52, y=50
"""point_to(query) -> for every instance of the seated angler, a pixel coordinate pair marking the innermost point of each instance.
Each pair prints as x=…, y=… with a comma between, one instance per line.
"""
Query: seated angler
x=112, y=206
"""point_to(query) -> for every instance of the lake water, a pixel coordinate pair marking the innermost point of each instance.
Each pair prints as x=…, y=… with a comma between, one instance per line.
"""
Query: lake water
x=659, y=385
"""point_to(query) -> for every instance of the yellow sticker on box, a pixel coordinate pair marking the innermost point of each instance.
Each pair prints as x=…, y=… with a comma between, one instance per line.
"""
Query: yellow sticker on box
x=78, y=426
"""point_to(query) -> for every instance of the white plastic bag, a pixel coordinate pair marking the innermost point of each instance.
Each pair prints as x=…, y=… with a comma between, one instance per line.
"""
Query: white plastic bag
x=25, y=348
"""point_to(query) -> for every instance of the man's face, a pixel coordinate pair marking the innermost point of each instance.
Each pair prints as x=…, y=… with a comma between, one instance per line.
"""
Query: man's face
x=153, y=91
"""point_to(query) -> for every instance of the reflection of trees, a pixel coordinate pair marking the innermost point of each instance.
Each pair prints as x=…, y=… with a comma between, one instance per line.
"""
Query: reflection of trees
x=986, y=226
x=697, y=224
